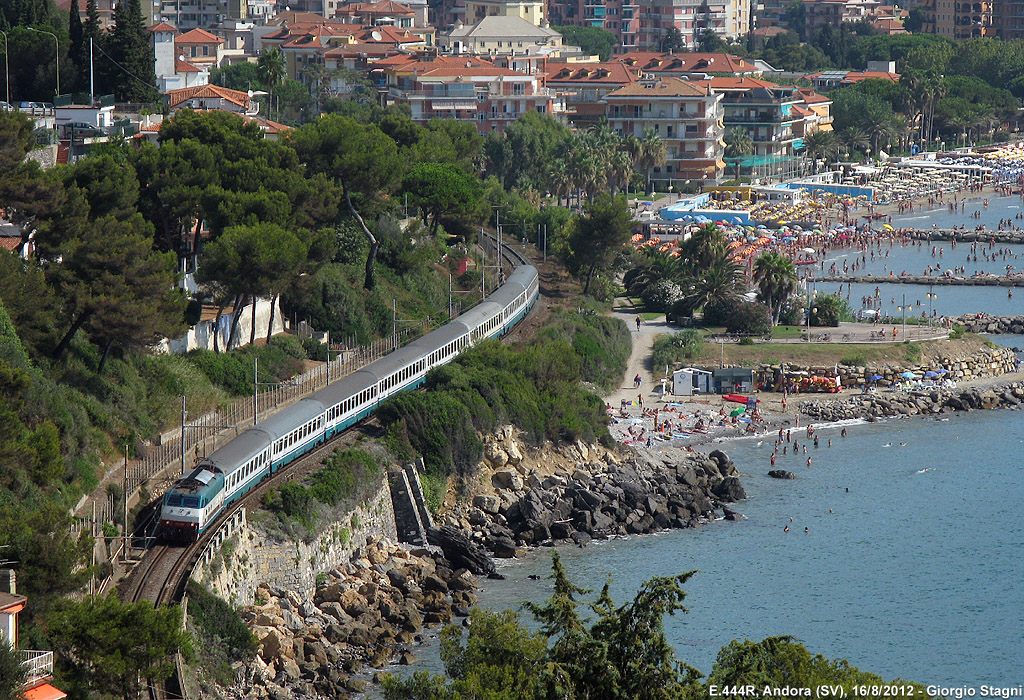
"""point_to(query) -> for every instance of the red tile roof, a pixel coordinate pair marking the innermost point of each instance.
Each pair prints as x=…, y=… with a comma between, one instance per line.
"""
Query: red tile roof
x=208, y=92
x=664, y=87
x=385, y=7
x=161, y=27
x=686, y=62
x=181, y=66
x=198, y=36
x=611, y=73
x=388, y=35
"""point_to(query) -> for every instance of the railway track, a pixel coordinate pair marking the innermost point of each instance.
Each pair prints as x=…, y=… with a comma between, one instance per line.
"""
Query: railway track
x=162, y=575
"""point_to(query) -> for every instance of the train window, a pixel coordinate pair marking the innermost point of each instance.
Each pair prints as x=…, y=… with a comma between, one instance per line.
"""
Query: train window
x=174, y=500
x=191, y=501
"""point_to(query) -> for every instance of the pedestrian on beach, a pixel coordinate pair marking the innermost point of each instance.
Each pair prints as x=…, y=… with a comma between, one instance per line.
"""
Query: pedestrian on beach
x=640, y=400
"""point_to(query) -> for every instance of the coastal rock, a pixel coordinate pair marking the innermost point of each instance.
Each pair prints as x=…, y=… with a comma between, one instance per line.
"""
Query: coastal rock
x=460, y=550
x=729, y=490
x=507, y=479
x=781, y=474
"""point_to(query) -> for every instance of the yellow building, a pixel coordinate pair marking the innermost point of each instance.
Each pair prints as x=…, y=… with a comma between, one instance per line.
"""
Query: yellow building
x=533, y=11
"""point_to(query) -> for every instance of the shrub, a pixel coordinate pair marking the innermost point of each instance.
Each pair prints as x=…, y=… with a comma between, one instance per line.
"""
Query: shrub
x=748, y=317
x=661, y=295
x=746, y=341
x=219, y=623
x=671, y=349
x=343, y=474
x=956, y=332
x=828, y=310
x=857, y=360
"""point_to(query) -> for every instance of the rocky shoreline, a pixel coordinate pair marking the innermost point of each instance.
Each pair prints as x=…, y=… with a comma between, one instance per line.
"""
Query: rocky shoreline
x=595, y=493
x=937, y=280
x=912, y=403
x=367, y=613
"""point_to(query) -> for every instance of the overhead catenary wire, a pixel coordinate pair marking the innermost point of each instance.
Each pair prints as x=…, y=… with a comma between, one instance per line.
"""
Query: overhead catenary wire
x=125, y=70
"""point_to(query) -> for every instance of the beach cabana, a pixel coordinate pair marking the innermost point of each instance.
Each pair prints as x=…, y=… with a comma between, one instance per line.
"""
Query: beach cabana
x=690, y=380
x=732, y=379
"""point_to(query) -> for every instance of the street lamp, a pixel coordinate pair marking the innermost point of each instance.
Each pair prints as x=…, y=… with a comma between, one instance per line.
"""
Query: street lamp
x=56, y=52
x=931, y=297
x=7, y=70
x=904, y=310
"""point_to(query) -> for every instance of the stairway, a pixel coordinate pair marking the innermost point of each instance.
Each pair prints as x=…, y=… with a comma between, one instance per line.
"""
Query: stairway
x=411, y=515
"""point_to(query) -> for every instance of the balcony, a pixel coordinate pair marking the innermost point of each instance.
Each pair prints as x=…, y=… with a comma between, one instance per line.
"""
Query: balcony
x=38, y=665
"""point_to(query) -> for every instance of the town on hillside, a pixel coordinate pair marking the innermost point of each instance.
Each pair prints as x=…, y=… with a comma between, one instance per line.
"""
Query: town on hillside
x=315, y=314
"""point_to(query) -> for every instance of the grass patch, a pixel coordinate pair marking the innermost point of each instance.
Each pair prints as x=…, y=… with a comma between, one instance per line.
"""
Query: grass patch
x=650, y=315
x=786, y=332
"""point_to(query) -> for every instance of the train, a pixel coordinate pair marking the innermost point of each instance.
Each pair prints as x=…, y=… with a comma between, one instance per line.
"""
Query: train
x=195, y=501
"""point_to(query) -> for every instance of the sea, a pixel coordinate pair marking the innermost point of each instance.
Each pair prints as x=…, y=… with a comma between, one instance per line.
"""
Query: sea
x=903, y=553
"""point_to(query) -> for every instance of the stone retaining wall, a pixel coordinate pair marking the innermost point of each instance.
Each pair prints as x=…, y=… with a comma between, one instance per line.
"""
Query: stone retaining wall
x=984, y=362
x=928, y=234
x=249, y=558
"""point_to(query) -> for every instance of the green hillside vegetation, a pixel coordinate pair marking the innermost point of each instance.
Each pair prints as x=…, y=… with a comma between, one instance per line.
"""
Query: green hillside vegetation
x=537, y=386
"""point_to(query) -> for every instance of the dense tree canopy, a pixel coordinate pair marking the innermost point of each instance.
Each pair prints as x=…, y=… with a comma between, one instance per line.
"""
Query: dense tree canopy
x=593, y=40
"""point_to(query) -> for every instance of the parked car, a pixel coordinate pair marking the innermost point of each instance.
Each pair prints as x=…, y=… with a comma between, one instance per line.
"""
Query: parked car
x=32, y=107
x=81, y=130
x=4, y=107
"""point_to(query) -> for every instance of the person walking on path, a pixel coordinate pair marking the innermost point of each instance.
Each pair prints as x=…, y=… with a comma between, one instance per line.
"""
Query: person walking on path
x=637, y=381
x=637, y=324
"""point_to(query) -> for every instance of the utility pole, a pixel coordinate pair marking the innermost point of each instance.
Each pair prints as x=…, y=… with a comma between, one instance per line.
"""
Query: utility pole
x=124, y=498
x=394, y=323
x=255, y=390
x=7, y=71
x=92, y=84
x=183, y=436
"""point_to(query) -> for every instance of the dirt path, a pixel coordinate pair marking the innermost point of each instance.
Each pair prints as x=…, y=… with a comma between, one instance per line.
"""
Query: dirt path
x=639, y=357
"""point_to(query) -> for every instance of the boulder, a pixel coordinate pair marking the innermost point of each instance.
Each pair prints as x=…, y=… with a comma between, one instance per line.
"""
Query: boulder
x=353, y=603
x=460, y=550
x=488, y=504
x=507, y=479
x=781, y=474
x=503, y=547
x=729, y=490
x=495, y=455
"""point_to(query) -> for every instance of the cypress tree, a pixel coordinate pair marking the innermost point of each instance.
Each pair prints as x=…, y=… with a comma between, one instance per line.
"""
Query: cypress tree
x=130, y=46
x=78, y=51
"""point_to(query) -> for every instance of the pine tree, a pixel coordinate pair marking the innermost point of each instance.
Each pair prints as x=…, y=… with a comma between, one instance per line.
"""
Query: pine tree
x=130, y=46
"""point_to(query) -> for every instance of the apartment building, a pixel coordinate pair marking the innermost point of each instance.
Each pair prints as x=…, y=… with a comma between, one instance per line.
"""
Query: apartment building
x=533, y=11
x=468, y=89
x=642, y=26
x=583, y=87
x=968, y=20
x=686, y=115
x=772, y=115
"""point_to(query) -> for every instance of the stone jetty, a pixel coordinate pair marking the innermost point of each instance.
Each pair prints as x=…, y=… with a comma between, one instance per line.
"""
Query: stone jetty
x=996, y=325
x=937, y=280
x=960, y=236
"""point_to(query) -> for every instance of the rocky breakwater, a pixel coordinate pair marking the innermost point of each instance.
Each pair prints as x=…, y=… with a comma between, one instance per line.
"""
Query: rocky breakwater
x=997, y=236
x=983, y=323
x=368, y=611
x=579, y=492
x=913, y=403
x=937, y=280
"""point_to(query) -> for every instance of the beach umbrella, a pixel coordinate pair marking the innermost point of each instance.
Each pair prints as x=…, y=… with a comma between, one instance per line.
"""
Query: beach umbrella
x=874, y=377
x=931, y=375
x=908, y=375
x=737, y=411
x=807, y=250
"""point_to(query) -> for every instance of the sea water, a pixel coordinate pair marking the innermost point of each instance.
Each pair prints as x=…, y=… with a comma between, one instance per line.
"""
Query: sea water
x=914, y=571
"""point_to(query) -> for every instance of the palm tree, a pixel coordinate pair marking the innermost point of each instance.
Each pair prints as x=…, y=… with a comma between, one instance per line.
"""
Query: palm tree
x=272, y=66
x=654, y=266
x=738, y=144
x=706, y=245
x=877, y=122
x=820, y=144
x=722, y=281
x=652, y=154
x=775, y=277
x=854, y=139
